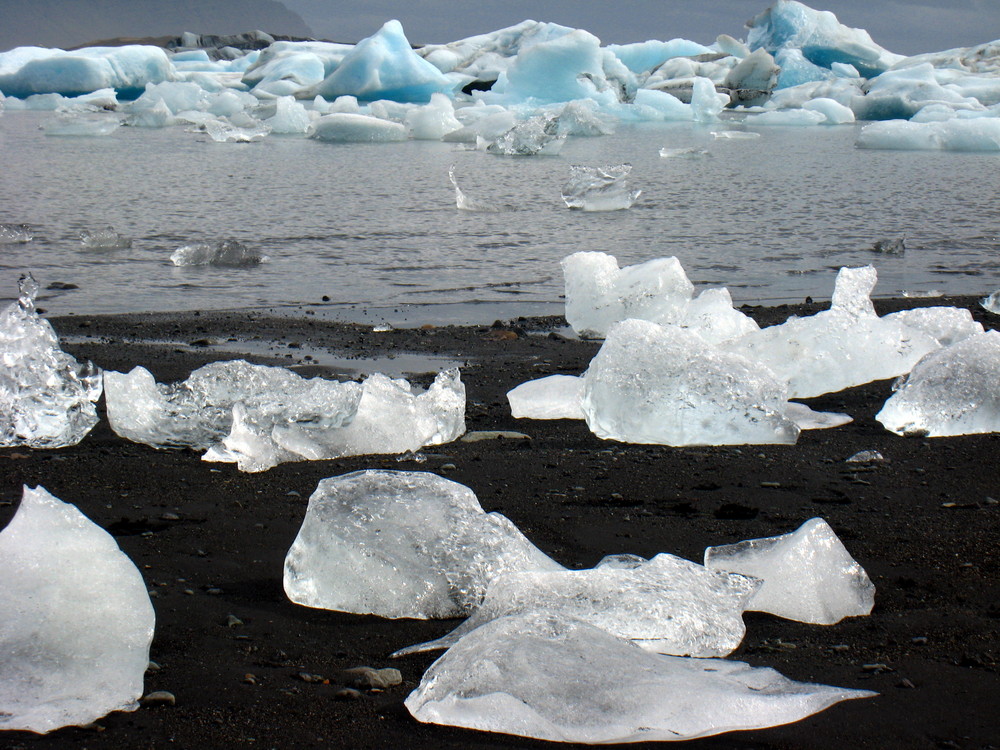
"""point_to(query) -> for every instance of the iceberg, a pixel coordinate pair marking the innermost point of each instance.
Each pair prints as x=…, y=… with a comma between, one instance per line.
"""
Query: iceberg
x=667, y=604
x=666, y=385
x=75, y=619
x=952, y=391
x=808, y=575
x=978, y=134
x=567, y=681
x=46, y=397
x=536, y=135
x=599, y=189
x=104, y=239
x=554, y=397
x=222, y=253
x=401, y=544
x=347, y=127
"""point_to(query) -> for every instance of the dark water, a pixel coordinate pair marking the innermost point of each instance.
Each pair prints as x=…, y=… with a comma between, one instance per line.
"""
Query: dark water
x=772, y=218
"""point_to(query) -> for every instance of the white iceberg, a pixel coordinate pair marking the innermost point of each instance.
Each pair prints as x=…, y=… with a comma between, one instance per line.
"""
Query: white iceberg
x=979, y=134
x=401, y=544
x=554, y=397
x=75, y=619
x=348, y=127
x=599, y=189
x=571, y=682
x=808, y=574
x=46, y=397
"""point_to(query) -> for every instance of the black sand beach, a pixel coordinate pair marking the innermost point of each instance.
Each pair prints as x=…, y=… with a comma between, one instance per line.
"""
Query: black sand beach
x=210, y=542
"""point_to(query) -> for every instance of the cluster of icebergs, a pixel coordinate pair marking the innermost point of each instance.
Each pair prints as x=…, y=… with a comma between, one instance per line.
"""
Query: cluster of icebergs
x=797, y=66
x=677, y=369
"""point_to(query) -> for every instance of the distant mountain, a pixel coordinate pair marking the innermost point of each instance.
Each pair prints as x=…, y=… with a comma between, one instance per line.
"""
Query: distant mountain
x=71, y=23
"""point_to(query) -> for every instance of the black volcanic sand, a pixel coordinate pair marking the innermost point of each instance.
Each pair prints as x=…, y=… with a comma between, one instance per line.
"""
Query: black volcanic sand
x=210, y=543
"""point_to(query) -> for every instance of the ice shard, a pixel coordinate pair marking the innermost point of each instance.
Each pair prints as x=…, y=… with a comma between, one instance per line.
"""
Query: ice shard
x=227, y=252
x=554, y=397
x=75, y=619
x=222, y=131
x=808, y=574
x=46, y=396
x=953, y=391
x=567, y=681
x=990, y=303
x=665, y=385
x=402, y=544
x=104, y=239
x=15, y=234
x=464, y=202
x=946, y=325
x=599, y=189
x=536, y=135
x=667, y=604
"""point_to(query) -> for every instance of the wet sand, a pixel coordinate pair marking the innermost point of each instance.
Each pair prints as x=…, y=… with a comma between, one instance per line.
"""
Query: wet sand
x=210, y=542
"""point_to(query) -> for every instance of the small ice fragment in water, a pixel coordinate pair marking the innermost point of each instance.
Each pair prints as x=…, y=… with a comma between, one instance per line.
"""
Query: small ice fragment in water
x=922, y=293
x=668, y=604
x=75, y=619
x=808, y=574
x=104, y=239
x=536, y=135
x=462, y=201
x=227, y=252
x=735, y=135
x=597, y=189
x=401, y=544
x=15, y=234
x=567, y=681
x=991, y=303
x=75, y=124
x=46, y=396
x=893, y=246
x=684, y=153
x=222, y=131
x=866, y=457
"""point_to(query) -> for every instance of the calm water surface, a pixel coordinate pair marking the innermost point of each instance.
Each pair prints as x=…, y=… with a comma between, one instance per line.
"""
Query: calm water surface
x=376, y=225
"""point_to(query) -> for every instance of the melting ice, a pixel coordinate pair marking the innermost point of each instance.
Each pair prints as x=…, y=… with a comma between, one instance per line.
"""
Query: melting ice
x=228, y=252
x=599, y=189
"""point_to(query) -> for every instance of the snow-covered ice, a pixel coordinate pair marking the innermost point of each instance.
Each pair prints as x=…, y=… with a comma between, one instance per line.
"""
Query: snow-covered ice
x=953, y=391
x=227, y=252
x=75, y=619
x=46, y=396
x=104, y=239
x=667, y=604
x=567, y=681
x=553, y=397
x=599, y=189
x=402, y=544
x=808, y=574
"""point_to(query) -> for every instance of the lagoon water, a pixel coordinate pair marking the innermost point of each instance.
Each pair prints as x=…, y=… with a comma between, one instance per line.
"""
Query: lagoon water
x=375, y=226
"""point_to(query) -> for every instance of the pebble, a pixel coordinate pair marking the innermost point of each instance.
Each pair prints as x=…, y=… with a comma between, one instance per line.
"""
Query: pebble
x=170, y=517
x=905, y=683
x=919, y=640
x=307, y=677
x=476, y=436
x=233, y=621
x=347, y=694
x=250, y=679
x=373, y=679
x=448, y=467
x=840, y=647
x=152, y=667
x=875, y=668
x=158, y=698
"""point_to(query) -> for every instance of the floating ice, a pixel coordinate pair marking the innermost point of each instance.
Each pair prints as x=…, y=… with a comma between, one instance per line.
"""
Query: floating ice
x=599, y=189
x=46, y=396
x=571, y=682
x=536, y=135
x=735, y=135
x=753, y=78
x=684, y=153
x=75, y=619
x=77, y=124
x=222, y=253
x=554, y=397
x=668, y=604
x=222, y=131
x=433, y=121
x=15, y=234
x=865, y=457
x=834, y=112
x=982, y=134
x=583, y=117
x=786, y=117
x=952, y=391
x=462, y=201
x=990, y=303
x=808, y=574
x=289, y=117
x=346, y=127
x=401, y=544
x=947, y=325
x=104, y=239
x=150, y=115
x=892, y=246
x=666, y=385
x=807, y=419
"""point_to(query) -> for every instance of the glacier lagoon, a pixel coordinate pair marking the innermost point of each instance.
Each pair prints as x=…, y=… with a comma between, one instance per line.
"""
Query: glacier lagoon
x=348, y=227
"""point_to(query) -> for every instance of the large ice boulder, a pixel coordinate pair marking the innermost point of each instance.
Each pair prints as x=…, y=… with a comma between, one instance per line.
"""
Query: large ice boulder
x=666, y=385
x=402, y=544
x=46, y=396
x=384, y=66
x=75, y=619
x=667, y=604
x=348, y=127
x=808, y=574
x=953, y=391
x=568, y=681
x=822, y=39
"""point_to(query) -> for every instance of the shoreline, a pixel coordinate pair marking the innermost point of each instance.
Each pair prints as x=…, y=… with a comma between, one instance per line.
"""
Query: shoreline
x=923, y=524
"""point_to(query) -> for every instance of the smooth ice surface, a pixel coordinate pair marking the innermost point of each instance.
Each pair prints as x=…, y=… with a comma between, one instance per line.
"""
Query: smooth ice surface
x=980, y=134
x=554, y=397
x=348, y=127
x=568, y=681
x=947, y=325
x=808, y=574
x=656, y=384
x=402, y=544
x=536, y=135
x=227, y=252
x=223, y=131
x=104, y=239
x=599, y=188
x=953, y=391
x=75, y=619
x=46, y=396
x=667, y=604
x=991, y=302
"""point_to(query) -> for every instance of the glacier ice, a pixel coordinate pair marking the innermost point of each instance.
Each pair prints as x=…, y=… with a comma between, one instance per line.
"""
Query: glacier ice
x=46, y=396
x=666, y=385
x=990, y=303
x=536, y=676
x=77, y=124
x=75, y=619
x=554, y=397
x=222, y=131
x=536, y=135
x=947, y=325
x=433, y=121
x=289, y=117
x=347, y=127
x=227, y=252
x=808, y=574
x=15, y=234
x=401, y=544
x=104, y=239
x=952, y=391
x=599, y=189
x=667, y=604
x=980, y=134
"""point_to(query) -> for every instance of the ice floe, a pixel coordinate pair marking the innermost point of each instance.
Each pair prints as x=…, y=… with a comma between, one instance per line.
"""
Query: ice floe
x=104, y=239
x=599, y=189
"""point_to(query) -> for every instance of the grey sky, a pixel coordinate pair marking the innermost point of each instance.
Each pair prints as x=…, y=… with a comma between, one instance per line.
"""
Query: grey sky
x=903, y=26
